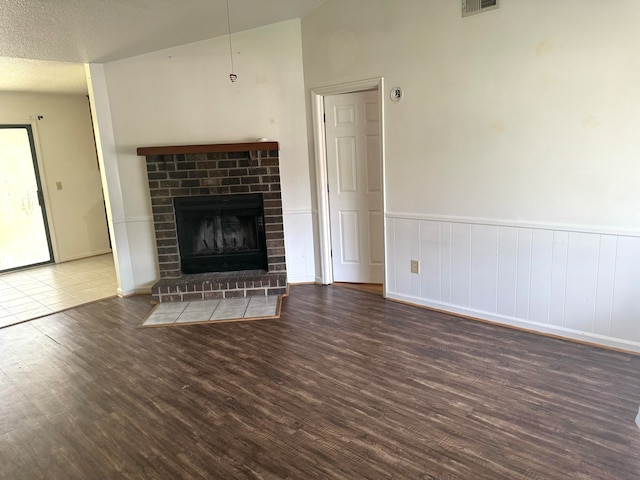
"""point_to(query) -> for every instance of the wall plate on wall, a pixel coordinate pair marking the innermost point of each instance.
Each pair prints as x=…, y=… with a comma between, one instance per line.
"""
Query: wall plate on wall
x=396, y=94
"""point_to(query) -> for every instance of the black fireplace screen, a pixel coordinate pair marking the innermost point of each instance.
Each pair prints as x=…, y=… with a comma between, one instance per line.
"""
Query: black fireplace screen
x=218, y=233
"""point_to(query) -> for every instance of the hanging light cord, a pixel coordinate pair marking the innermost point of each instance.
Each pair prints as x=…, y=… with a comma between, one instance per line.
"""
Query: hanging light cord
x=233, y=75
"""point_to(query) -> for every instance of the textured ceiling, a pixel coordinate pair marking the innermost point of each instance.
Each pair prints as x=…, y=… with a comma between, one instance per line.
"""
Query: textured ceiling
x=17, y=74
x=79, y=31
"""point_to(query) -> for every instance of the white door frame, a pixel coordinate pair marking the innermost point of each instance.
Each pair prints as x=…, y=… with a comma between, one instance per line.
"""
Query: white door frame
x=324, y=226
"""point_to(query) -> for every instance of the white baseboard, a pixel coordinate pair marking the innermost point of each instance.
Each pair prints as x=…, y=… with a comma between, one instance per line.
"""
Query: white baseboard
x=534, y=327
x=294, y=280
x=83, y=255
x=136, y=291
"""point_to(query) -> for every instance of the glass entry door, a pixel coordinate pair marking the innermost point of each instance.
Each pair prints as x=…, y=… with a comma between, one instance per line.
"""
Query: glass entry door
x=24, y=232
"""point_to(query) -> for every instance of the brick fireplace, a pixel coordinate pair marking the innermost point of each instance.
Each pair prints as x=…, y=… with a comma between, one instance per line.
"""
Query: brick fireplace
x=184, y=174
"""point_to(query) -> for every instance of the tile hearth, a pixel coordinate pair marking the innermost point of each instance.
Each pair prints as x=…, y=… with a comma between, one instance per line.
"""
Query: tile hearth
x=208, y=311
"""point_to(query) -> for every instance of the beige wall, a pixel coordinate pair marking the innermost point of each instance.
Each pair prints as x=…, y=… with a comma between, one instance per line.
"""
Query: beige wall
x=66, y=152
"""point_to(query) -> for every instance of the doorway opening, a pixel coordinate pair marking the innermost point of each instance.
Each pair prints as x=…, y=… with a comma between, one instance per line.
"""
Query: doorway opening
x=349, y=143
x=25, y=239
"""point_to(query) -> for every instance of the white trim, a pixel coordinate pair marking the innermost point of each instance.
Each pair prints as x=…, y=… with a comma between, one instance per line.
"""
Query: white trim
x=588, y=337
x=317, y=107
x=85, y=255
x=135, y=291
x=324, y=229
x=302, y=211
x=40, y=159
x=301, y=280
x=596, y=229
x=137, y=219
x=149, y=218
x=110, y=175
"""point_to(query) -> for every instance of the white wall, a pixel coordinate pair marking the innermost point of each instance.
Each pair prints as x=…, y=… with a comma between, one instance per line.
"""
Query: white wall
x=183, y=95
x=524, y=117
x=67, y=154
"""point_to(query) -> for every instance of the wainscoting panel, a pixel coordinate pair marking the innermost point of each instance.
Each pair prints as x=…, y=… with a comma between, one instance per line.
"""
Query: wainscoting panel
x=608, y=250
x=484, y=268
x=581, y=281
x=524, y=257
x=445, y=259
x=430, y=260
x=558, y=291
x=625, y=321
x=540, y=279
x=507, y=270
x=552, y=279
x=460, y=264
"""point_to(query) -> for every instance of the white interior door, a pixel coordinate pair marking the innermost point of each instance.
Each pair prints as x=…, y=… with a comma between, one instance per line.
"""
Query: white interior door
x=355, y=186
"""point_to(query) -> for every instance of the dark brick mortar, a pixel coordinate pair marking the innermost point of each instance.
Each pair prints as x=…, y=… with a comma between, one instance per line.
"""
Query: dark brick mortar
x=215, y=173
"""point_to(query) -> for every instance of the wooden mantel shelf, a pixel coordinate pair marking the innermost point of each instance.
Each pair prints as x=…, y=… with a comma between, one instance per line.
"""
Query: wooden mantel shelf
x=212, y=148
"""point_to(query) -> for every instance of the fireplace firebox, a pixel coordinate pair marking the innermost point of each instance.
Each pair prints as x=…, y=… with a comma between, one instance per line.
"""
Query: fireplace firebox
x=221, y=233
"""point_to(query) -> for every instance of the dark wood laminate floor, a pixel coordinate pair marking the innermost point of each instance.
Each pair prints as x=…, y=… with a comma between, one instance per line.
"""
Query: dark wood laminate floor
x=343, y=386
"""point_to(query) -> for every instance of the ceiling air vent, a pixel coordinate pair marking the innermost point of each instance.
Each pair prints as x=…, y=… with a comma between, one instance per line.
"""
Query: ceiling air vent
x=471, y=7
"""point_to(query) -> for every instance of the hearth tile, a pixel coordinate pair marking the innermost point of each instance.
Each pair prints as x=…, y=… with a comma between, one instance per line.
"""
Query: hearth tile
x=263, y=311
x=171, y=307
x=262, y=301
x=233, y=303
x=203, y=305
x=228, y=314
x=194, y=316
x=161, y=318
x=235, y=309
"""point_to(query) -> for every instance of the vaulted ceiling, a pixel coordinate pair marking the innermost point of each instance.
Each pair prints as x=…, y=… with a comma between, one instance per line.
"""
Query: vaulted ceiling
x=63, y=34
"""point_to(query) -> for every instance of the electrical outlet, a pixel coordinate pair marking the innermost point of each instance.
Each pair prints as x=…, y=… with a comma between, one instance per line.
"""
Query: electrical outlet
x=415, y=266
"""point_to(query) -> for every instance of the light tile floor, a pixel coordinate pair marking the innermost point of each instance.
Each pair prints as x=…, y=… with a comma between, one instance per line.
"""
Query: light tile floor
x=39, y=291
x=173, y=313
